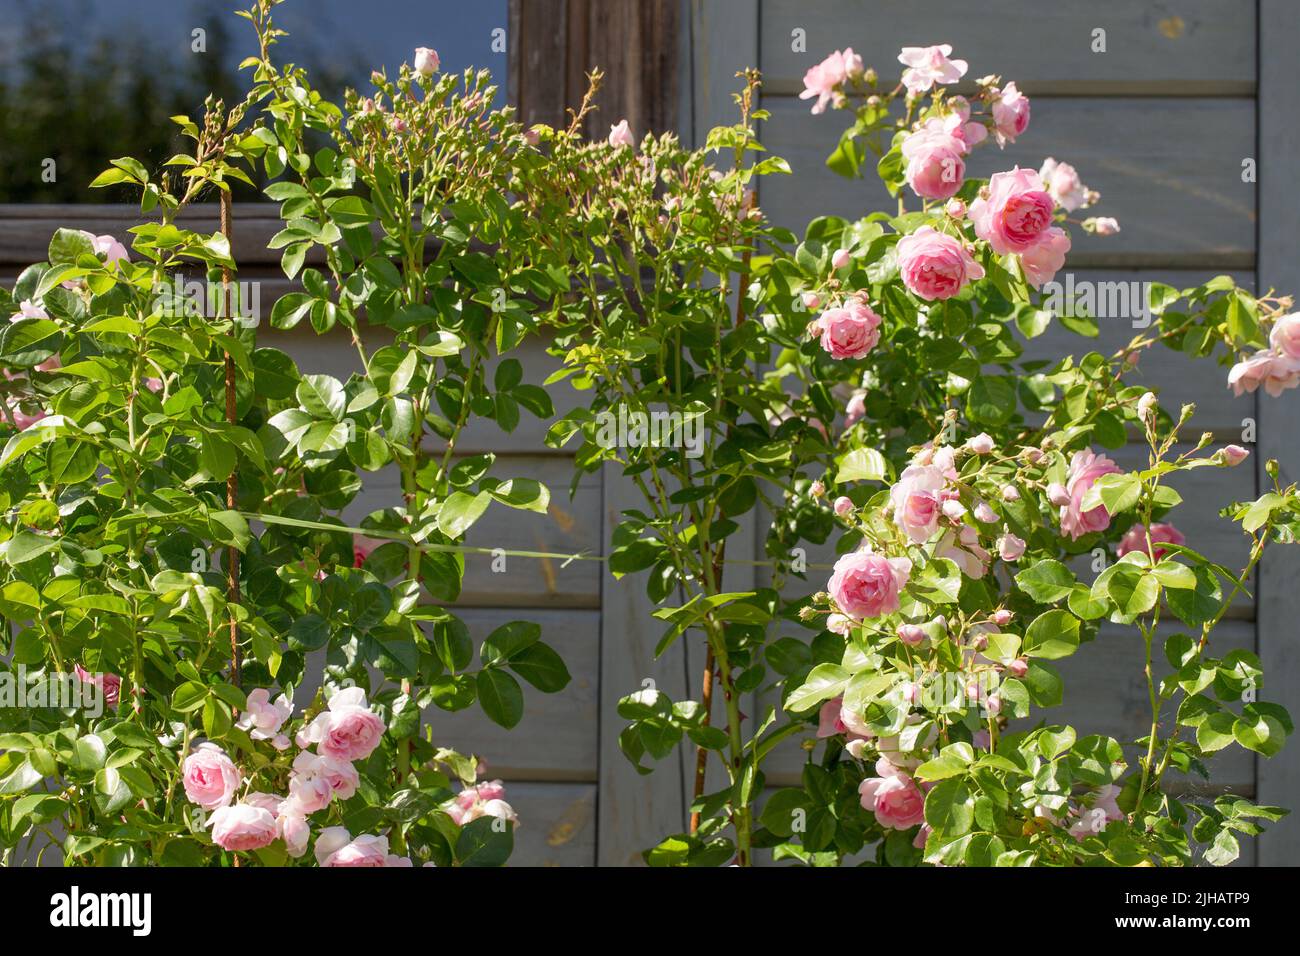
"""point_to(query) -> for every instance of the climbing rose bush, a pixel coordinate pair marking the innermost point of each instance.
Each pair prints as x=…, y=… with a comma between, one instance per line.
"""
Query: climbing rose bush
x=253, y=676
x=867, y=387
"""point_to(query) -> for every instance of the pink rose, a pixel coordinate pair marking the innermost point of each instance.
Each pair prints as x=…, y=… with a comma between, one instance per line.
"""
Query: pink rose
x=955, y=208
x=849, y=332
x=1057, y=495
x=841, y=258
x=262, y=719
x=110, y=685
x=839, y=624
x=336, y=848
x=1010, y=548
x=911, y=634
x=934, y=265
x=349, y=730
x=1016, y=213
x=817, y=488
x=314, y=771
x=1276, y=373
x=1234, y=455
x=917, y=502
x=1041, y=261
x=896, y=801
x=1135, y=539
x=426, y=61
x=928, y=65
x=811, y=300
x=1085, y=469
x=866, y=585
x=1001, y=617
x=243, y=827
x=108, y=247
x=210, y=777
x=1102, y=225
x=1010, y=114
x=27, y=309
x=294, y=830
x=828, y=719
x=981, y=444
x=843, y=505
x=963, y=548
x=856, y=409
x=821, y=81
x=1285, y=336
x=1063, y=184
x=935, y=168
x=620, y=134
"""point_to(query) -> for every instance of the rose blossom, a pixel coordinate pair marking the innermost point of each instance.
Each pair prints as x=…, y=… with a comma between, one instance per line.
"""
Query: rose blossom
x=839, y=624
x=856, y=409
x=484, y=799
x=1001, y=617
x=1135, y=539
x=1101, y=225
x=293, y=829
x=1085, y=468
x=27, y=309
x=935, y=168
x=955, y=208
x=349, y=730
x=849, y=332
x=934, y=265
x=841, y=258
x=811, y=300
x=1016, y=213
x=110, y=685
x=1276, y=373
x=866, y=585
x=1234, y=455
x=1010, y=114
x=426, y=61
x=1057, y=495
x=821, y=80
x=1285, y=336
x=1063, y=184
x=963, y=548
x=911, y=634
x=817, y=488
x=336, y=848
x=843, y=505
x=1010, y=493
x=338, y=775
x=1146, y=405
x=210, y=777
x=263, y=719
x=107, y=246
x=621, y=135
x=828, y=719
x=1044, y=259
x=916, y=501
x=984, y=514
x=981, y=444
x=928, y=65
x=896, y=801
x=243, y=827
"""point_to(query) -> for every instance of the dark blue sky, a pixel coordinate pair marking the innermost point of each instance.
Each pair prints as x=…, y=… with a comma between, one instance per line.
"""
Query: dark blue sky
x=370, y=32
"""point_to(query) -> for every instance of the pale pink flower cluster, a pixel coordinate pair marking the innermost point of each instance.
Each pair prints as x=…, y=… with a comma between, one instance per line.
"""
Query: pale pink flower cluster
x=485, y=799
x=928, y=66
x=1089, y=815
x=850, y=331
x=824, y=81
x=345, y=732
x=1086, y=468
x=1276, y=368
x=1016, y=218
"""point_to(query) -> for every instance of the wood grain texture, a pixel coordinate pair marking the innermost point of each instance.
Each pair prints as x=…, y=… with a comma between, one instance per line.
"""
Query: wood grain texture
x=1279, y=418
x=557, y=824
x=1177, y=207
x=1189, y=48
x=725, y=39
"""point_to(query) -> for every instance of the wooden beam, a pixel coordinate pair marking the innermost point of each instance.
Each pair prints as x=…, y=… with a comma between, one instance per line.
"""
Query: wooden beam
x=555, y=43
x=1278, y=598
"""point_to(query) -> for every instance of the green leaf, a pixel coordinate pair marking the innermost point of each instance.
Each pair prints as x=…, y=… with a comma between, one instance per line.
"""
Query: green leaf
x=459, y=512
x=862, y=464
x=949, y=808
x=822, y=683
x=508, y=640
x=1047, y=581
x=1053, y=635
x=542, y=667
x=322, y=396
x=500, y=697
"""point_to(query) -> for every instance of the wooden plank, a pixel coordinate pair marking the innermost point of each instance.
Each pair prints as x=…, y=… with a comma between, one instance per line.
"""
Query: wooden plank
x=557, y=739
x=557, y=824
x=1191, y=48
x=1279, y=418
x=1177, y=207
x=1105, y=693
x=568, y=527
x=724, y=39
x=634, y=812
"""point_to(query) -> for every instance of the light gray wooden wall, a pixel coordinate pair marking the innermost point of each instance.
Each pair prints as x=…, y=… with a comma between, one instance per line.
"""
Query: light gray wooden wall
x=1160, y=124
